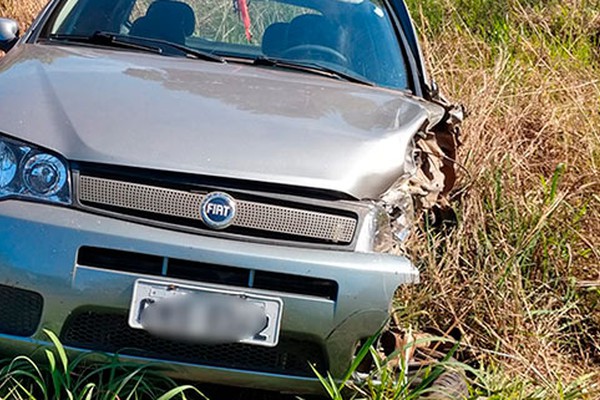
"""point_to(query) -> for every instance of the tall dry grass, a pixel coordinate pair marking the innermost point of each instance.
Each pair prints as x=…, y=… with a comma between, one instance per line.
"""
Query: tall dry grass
x=518, y=274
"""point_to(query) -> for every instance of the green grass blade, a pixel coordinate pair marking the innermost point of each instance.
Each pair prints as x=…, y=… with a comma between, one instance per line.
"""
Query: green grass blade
x=171, y=394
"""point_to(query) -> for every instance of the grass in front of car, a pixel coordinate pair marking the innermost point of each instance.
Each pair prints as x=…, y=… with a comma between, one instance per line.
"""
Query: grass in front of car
x=51, y=375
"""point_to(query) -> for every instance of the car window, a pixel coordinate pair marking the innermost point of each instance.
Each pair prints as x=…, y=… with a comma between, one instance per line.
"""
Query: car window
x=220, y=21
x=357, y=36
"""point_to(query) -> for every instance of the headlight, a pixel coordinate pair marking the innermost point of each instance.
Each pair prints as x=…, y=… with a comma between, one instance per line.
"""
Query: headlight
x=375, y=235
x=28, y=172
x=385, y=226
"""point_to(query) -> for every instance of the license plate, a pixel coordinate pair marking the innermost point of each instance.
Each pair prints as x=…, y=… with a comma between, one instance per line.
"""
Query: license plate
x=205, y=315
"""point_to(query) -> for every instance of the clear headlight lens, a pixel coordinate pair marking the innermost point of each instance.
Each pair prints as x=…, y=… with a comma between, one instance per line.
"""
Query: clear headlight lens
x=44, y=175
x=375, y=235
x=31, y=173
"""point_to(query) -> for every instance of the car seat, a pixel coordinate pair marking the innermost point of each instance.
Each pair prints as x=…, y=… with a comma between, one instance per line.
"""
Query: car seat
x=316, y=30
x=275, y=39
x=167, y=20
x=313, y=37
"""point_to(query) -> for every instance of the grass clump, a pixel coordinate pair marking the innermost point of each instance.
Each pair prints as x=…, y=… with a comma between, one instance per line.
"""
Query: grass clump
x=398, y=377
x=87, y=377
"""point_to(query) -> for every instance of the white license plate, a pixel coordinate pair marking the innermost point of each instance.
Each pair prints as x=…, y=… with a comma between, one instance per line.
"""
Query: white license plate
x=205, y=315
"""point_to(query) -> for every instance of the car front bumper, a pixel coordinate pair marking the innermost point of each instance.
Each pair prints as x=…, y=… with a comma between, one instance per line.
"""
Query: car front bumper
x=38, y=252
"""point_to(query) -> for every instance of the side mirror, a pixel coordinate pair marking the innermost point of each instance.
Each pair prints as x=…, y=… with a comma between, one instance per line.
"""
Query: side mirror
x=434, y=90
x=9, y=33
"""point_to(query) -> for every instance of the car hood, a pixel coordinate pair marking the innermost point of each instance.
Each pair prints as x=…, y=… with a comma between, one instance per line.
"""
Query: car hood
x=231, y=120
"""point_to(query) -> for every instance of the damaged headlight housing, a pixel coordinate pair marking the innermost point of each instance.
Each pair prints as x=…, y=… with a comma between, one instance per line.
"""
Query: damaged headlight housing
x=391, y=219
x=375, y=235
x=28, y=172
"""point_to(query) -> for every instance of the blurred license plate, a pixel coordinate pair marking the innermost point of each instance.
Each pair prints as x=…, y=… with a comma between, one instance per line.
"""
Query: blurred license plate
x=205, y=315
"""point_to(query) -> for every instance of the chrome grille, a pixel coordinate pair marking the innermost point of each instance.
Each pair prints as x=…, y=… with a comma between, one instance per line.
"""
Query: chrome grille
x=182, y=204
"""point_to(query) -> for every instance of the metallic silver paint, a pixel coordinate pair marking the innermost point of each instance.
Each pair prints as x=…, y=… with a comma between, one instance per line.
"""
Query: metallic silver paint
x=39, y=251
x=232, y=120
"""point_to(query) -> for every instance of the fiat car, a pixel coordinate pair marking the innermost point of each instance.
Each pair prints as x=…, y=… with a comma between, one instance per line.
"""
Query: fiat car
x=219, y=187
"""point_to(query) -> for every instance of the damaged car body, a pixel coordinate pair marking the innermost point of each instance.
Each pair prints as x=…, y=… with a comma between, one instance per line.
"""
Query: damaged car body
x=214, y=187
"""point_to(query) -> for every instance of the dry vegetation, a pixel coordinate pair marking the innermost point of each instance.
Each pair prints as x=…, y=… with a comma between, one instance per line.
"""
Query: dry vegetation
x=518, y=276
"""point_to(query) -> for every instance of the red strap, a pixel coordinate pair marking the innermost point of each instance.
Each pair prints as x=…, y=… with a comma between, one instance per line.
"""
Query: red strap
x=246, y=18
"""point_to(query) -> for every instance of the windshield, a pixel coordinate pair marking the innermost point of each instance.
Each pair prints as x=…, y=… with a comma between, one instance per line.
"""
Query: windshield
x=356, y=36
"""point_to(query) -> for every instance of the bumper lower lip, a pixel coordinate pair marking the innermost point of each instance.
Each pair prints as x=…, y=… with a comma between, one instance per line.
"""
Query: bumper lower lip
x=39, y=248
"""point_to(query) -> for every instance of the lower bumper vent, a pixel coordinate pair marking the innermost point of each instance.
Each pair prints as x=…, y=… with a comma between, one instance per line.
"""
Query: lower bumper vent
x=109, y=332
x=116, y=260
x=20, y=311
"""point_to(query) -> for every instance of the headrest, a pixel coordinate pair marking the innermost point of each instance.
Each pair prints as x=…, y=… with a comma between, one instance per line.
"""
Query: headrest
x=314, y=29
x=173, y=12
x=275, y=38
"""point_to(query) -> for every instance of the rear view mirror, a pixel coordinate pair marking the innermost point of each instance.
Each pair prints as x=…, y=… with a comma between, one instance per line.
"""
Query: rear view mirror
x=9, y=33
x=434, y=90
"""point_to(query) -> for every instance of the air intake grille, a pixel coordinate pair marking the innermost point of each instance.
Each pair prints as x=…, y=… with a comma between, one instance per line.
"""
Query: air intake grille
x=125, y=261
x=109, y=332
x=256, y=216
x=20, y=311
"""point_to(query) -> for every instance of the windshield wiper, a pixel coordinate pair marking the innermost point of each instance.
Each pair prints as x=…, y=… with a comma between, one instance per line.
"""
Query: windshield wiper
x=105, y=41
x=188, y=51
x=311, y=66
x=156, y=46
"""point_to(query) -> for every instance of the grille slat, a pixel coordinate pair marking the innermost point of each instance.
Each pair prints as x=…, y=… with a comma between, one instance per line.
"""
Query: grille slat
x=250, y=215
x=109, y=332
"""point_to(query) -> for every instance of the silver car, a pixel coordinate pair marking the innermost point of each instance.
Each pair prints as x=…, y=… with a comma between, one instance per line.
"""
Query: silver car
x=217, y=186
